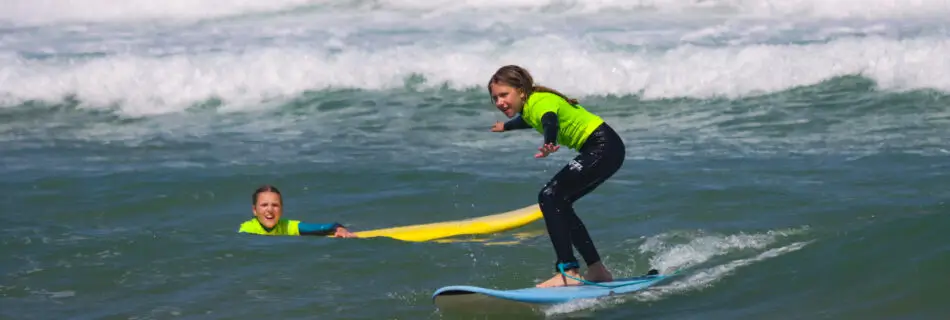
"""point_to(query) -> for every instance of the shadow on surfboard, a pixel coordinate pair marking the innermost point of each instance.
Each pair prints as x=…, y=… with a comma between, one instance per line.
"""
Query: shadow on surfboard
x=464, y=299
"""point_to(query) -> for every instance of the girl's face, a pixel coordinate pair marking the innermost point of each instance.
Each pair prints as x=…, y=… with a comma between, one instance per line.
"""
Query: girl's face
x=508, y=99
x=268, y=209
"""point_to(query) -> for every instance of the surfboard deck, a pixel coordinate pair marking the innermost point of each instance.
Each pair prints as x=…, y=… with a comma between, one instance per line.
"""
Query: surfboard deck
x=554, y=295
x=479, y=225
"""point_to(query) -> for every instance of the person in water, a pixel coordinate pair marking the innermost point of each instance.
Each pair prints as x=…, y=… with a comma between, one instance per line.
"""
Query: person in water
x=268, y=208
x=561, y=121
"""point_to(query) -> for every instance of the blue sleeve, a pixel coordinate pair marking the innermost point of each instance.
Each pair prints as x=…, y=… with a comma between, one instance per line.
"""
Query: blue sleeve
x=318, y=229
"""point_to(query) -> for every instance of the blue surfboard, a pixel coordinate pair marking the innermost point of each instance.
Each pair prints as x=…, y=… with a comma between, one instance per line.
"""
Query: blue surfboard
x=558, y=294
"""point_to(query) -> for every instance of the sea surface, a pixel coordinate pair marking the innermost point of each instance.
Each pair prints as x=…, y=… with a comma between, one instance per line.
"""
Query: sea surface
x=791, y=158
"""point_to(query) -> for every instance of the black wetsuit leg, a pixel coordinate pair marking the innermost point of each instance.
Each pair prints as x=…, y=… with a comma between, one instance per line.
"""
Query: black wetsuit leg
x=600, y=157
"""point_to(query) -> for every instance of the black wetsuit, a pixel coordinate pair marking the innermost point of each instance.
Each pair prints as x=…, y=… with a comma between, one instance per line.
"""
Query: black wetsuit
x=601, y=155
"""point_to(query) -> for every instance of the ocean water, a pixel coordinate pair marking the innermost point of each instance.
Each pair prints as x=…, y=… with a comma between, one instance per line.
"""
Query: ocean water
x=791, y=157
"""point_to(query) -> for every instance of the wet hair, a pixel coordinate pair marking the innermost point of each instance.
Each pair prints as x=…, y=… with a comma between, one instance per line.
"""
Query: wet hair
x=519, y=78
x=266, y=188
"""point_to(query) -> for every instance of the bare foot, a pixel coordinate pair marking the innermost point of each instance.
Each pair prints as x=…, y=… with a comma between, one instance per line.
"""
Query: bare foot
x=559, y=280
x=597, y=272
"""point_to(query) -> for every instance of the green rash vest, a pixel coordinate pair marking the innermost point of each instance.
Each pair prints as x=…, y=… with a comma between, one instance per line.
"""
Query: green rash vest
x=284, y=227
x=575, y=123
x=287, y=227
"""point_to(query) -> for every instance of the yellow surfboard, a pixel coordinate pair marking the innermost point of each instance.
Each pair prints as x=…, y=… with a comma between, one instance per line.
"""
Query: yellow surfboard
x=480, y=225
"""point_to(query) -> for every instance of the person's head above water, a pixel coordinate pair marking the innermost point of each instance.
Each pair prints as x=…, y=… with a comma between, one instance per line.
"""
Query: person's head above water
x=268, y=206
x=511, y=86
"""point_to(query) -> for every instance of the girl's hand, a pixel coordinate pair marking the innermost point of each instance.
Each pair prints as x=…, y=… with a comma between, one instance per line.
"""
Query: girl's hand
x=498, y=127
x=341, y=232
x=546, y=150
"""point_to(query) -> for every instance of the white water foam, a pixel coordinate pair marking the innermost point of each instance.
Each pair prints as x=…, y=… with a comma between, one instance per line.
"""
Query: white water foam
x=143, y=85
x=27, y=12
x=698, y=250
x=30, y=12
x=706, y=277
x=702, y=248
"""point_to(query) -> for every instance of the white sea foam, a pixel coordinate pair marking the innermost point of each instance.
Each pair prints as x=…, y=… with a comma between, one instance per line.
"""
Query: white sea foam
x=21, y=12
x=143, y=85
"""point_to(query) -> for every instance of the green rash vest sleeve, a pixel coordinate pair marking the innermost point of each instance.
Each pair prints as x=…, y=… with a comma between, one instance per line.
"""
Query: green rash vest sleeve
x=318, y=229
x=541, y=112
x=559, y=121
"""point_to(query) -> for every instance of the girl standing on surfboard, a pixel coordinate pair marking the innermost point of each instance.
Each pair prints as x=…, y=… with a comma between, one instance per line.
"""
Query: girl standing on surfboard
x=268, y=208
x=562, y=121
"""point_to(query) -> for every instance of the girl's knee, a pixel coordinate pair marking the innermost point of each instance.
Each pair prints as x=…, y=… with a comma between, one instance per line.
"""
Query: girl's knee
x=548, y=194
x=551, y=197
x=543, y=197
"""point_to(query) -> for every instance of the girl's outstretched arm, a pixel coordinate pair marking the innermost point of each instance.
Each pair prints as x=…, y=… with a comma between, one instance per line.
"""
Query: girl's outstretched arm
x=515, y=123
x=318, y=229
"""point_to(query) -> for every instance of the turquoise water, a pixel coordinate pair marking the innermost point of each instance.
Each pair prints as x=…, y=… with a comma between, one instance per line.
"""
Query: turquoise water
x=790, y=157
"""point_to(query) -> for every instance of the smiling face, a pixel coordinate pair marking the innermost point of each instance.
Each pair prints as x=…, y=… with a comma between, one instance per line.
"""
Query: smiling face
x=509, y=100
x=509, y=87
x=268, y=208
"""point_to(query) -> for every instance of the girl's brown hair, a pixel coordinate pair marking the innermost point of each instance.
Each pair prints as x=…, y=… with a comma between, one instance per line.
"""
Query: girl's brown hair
x=266, y=188
x=519, y=78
